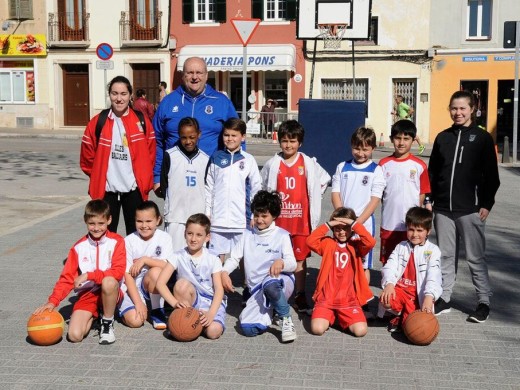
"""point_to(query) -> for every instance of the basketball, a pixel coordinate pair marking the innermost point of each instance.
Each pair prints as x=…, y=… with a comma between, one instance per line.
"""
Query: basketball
x=421, y=328
x=184, y=324
x=45, y=328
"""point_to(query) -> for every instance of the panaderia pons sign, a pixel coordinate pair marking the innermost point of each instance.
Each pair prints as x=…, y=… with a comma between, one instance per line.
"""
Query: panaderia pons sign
x=23, y=45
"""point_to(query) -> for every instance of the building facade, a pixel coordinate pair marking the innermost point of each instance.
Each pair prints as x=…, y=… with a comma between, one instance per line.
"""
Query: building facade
x=466, y=39
x=276, y=67
x=393, y=60
x=70, y=73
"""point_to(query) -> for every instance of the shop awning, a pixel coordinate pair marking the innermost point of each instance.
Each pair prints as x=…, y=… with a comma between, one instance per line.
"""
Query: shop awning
x=230, y=57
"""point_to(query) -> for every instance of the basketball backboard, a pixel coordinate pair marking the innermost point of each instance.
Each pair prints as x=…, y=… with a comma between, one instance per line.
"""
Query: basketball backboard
x=353, y=13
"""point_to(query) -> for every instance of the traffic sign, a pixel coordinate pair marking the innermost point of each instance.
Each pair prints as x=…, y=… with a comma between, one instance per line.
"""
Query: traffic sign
x=245, y=28
x=105, y=65
x=104, y=51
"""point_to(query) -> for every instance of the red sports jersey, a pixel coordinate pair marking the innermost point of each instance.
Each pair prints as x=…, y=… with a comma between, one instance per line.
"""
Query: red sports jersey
x=408, y=281
x=338, y=291
x=292, y=186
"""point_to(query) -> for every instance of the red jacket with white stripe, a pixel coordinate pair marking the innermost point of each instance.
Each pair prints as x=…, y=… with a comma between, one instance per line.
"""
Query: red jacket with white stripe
x=94, y=155
x=98, y=259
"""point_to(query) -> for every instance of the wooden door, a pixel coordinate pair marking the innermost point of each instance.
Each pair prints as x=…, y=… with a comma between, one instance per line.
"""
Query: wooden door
x=76, y=107
x=147, y=77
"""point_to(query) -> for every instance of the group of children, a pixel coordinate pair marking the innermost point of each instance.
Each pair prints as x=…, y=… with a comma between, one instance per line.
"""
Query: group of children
x=268, y=223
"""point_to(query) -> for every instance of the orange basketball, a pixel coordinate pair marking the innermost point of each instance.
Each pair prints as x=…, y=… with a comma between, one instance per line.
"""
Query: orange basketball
x=184, y=324
x=46, y=328
x=421, y=328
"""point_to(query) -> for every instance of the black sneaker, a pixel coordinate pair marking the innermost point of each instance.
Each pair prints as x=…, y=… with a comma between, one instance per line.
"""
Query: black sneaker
x=441, y=306
x=367, y=312
x=300, y=301
x=246, y=294
x=395, y=325
x=480, y=314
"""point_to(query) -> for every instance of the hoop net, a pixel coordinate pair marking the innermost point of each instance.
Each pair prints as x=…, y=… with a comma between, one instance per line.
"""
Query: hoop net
x=332, y=34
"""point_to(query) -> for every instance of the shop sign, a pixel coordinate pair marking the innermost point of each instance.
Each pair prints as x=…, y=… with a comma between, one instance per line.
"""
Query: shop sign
x=23, y=45
x=474, y=59
x=504, y=58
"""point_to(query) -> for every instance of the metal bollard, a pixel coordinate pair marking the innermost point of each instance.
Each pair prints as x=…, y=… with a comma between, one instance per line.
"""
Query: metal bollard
x=505, y=152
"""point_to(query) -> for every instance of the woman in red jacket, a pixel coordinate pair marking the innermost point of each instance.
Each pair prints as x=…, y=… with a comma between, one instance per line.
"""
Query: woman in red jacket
x=119, y=160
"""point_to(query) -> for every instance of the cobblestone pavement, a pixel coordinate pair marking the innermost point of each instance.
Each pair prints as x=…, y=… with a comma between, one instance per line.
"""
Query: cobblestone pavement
x=464, y=356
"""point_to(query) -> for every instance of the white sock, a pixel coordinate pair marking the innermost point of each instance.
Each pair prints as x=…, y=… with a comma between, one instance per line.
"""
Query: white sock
x=156, y=301
x=108, y=318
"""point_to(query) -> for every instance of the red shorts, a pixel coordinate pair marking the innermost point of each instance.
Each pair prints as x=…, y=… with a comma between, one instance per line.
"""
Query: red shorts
x=300, y=248
x=389, y=240
x=404, y=303
x=346, y=317
x=91, y=301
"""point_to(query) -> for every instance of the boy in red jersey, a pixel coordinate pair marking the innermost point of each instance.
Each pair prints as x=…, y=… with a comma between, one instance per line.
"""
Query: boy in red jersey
x=341, y=286
x=94, y=268
x=301, y=182
x=407, y=183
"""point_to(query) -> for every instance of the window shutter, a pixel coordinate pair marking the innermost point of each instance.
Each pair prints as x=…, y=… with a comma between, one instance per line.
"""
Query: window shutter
x=188, y=11
x=20, y=9
x=220, y=11
x=257, y=7
x=291, y=9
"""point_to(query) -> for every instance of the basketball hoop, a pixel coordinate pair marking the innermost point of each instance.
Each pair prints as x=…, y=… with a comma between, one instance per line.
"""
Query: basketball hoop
x=332, y=34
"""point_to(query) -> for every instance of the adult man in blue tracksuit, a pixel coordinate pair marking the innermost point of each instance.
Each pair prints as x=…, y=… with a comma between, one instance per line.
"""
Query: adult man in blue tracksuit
x=194, y=98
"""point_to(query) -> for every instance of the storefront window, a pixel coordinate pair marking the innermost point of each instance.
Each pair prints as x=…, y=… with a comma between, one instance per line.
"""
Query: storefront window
x=16, y=82
x=276, y=88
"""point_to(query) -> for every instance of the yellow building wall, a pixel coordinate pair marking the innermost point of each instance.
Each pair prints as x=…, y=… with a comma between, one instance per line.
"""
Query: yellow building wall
x=447, y=73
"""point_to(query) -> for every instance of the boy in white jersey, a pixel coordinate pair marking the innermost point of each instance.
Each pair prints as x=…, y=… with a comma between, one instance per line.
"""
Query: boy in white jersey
x=232, y=180
x=359, y=183
x=407, y=184
x=147, y=250
x=182, y=181
x=301, y=182
x=268, y=266
x=199, y=281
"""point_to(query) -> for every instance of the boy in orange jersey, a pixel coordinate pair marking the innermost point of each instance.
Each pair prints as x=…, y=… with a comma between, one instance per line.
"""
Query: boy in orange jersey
x=94, y=268
x=301, y=182
x=341, y=288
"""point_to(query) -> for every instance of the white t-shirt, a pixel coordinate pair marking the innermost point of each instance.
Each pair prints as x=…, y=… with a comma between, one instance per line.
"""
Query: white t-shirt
x=198, y=270
x=120, y=173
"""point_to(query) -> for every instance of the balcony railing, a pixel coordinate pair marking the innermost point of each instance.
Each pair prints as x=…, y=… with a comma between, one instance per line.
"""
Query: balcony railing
x=67, y=29
x=140, y=29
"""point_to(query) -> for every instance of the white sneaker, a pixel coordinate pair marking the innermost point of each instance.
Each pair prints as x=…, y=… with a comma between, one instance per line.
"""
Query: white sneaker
x=106, y=333
x=288, y=332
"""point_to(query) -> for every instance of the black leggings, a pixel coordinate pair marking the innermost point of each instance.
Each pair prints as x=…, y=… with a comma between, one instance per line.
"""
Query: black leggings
x=129, y=201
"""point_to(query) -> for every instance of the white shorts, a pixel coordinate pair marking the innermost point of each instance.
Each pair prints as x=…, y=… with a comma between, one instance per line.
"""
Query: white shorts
x=127, y=303
x=203, y=302
x=176, y=232
x=257, y=311
x=221, y=243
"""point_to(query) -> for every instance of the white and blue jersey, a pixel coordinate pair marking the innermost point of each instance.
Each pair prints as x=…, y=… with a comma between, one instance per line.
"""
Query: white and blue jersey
x=356, y=185
x=232, y=180
x=211, y=109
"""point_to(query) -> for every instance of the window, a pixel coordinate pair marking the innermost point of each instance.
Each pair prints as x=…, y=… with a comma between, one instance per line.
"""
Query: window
x=71, y=16
x=407, y=88
x=16, y=82
x=204, y=11
x=20, y=9
x=276, y=88
x=343, y=89
x=143, y=19
x=274, y=10
x=479, y=19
